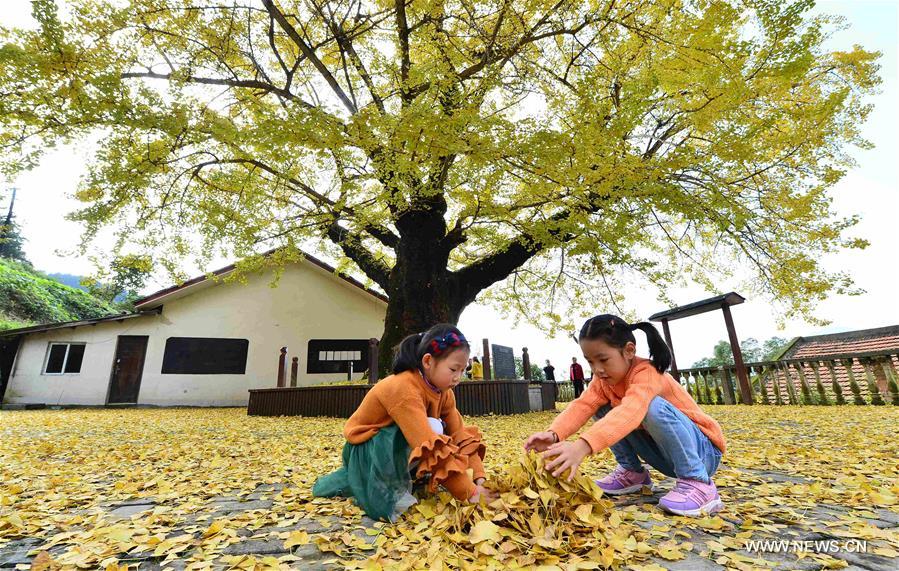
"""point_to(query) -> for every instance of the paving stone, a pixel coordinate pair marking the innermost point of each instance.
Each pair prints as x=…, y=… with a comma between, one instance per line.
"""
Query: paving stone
x=886, y=517
x=276, y=487
x=257, y=547
x=224, y=499
x=231, y=507
x=781, y=477
x=132, y=502
x=16, y=552
x=126, y=511
x=692, y=562
x=308, y=525
x=788, y=561
x=141, y=557
x=881, y=523
x=314, y=565
x=870, y=561
x=174, y=565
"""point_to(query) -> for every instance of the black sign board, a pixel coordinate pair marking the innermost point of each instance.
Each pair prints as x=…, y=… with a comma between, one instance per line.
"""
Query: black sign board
x=503, y=362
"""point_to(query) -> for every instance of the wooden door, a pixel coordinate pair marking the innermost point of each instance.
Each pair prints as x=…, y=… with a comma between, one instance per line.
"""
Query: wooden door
x=127, y=369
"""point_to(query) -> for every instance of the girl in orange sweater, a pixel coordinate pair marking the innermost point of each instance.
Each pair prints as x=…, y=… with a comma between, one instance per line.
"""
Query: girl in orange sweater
x=642, y=414
x=409, y=421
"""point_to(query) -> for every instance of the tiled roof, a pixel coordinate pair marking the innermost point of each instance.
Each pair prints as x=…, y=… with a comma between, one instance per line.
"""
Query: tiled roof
x=864, y=372
x=882, y=339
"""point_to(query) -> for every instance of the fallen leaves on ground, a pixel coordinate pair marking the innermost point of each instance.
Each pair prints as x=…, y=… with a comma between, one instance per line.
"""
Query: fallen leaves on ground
x=536, y=521
x=61, y=471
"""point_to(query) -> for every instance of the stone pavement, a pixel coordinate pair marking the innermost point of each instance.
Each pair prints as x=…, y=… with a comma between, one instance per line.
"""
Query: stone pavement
x=821, y=524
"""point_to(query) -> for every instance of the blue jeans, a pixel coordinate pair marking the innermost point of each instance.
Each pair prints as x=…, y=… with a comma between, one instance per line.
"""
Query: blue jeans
x=671, y=443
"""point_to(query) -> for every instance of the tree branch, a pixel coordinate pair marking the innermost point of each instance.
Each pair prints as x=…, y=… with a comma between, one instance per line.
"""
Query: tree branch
x=480, y=275
x=248, y=83
x=355, y=250
x=346, y=48
x=403, y=31
x=310, y=54
x=382, y=234
x=491, y=56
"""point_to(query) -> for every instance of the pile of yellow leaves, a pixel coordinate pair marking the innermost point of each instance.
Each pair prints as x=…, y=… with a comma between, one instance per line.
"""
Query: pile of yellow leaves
x=537, y=520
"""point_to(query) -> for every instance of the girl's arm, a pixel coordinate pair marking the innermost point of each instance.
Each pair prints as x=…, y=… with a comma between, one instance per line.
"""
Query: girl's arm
x=435, y=452
x=579, y=411
x=468, y=438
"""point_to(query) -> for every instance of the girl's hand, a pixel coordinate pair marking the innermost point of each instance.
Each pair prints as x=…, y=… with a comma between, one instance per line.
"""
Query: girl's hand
x=481, y=492
x=540, y=441
x=568, y=456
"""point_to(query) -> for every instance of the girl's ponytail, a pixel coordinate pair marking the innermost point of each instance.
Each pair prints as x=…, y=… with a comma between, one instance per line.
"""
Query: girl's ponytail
x=406, y=356
x=617, y=333
x=659, y=353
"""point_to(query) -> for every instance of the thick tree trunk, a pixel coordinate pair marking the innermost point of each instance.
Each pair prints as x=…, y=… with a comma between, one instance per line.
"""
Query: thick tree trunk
x=422, y=291
x=412, y=310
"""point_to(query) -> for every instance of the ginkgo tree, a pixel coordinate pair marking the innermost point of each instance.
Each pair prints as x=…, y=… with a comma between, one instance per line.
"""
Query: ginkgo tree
x=524, y=150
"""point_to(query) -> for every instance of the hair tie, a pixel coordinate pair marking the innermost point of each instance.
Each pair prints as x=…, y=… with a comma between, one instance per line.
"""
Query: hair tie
x=451, y=339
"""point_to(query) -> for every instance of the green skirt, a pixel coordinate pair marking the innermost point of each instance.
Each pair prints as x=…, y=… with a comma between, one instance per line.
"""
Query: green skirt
x=375, y=473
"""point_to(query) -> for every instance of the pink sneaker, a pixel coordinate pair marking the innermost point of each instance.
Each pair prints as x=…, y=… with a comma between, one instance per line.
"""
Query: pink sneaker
x=692, y=498
x=624, y=481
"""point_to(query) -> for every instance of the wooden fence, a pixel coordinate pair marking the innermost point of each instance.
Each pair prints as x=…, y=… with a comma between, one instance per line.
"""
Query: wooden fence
x=473, y=398
x=337, y=401
x=863, y=378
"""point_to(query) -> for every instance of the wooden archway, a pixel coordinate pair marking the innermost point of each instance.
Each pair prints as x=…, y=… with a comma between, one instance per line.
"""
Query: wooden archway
x=722, y=302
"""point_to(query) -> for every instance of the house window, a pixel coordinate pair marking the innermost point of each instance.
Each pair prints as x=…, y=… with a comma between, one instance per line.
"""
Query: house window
x=205, y=356
x=64, y=358
x=334, y=355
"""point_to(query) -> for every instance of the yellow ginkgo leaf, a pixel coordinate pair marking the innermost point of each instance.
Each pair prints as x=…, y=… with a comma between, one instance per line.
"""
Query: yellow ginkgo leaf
x=296, y=538
x=485, y=531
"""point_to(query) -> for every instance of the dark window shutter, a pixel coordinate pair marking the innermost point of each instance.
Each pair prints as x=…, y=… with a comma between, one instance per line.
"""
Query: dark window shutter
x=76, y=356
x=205, y=356
x=56, y=359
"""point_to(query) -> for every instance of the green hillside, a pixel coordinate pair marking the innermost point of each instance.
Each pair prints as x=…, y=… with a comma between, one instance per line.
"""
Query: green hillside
x=28, y=297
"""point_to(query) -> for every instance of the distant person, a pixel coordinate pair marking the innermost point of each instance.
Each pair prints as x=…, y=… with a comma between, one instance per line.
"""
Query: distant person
x=643, y=415
x=576, y=374
x=468, y=369
x=550, y=372
x=477, y=370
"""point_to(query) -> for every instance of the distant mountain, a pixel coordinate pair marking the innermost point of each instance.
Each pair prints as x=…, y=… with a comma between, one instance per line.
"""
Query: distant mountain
x=29, y=297
x=74, y=281
x=69, y=280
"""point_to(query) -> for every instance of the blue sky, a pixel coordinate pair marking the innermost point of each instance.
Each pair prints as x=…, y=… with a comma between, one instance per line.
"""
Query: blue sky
x=870, y=190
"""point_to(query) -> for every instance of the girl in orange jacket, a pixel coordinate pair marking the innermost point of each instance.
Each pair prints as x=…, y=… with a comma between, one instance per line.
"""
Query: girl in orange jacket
x=408, y=427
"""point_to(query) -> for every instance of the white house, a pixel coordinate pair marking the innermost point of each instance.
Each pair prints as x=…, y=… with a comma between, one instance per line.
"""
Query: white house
x=203, y=343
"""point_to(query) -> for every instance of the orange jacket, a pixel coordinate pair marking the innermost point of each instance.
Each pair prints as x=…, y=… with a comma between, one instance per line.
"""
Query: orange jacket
x=630, y=401
x=407, y=401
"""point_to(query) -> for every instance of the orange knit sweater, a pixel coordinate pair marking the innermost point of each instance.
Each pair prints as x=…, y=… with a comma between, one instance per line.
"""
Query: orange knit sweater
x=407, y=401
x=630, y=401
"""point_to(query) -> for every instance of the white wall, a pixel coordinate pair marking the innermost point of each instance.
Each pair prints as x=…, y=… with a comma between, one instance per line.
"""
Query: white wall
x=308, y=303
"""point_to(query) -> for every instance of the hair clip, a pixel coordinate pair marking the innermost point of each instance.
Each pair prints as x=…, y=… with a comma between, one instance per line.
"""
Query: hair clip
x=451, y=339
